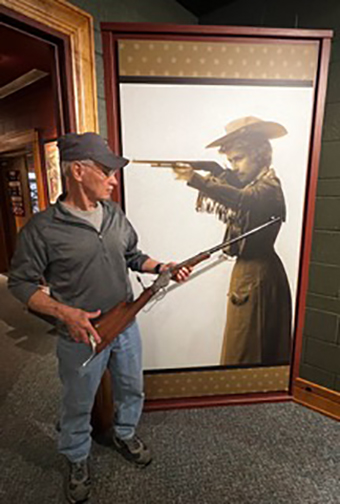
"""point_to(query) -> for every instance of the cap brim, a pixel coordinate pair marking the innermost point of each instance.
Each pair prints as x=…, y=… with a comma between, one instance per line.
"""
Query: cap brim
x=111, y=161
x=268, y=129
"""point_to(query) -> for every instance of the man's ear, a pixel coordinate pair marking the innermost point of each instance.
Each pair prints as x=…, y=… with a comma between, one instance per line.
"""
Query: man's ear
x=77, y=171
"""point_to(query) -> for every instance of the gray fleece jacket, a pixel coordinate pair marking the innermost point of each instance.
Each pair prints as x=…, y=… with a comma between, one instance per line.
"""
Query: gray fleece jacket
x=84, y=268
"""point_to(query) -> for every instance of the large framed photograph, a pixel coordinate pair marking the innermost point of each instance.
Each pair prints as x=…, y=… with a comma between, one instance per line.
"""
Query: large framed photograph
x=220, y=127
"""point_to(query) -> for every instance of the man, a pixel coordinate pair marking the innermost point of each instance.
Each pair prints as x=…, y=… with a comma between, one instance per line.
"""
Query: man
x=83, y=246
x=258, y=325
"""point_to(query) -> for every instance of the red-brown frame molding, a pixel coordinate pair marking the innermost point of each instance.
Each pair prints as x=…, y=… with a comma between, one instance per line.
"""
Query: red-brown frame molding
x=213, y=401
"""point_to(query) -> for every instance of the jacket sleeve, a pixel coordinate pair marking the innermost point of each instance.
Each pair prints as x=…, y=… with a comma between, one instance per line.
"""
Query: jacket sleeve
x=265, y=197
x=28, y=264
x=216, y=189
x=134, y=257
x=263, y=192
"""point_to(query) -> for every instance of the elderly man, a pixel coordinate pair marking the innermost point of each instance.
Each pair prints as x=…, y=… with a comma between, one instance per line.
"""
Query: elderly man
x=83, y=247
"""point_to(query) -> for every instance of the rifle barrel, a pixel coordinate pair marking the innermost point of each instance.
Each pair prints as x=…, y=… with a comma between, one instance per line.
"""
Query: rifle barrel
x=164, y=163
x=245, y=235
x=201, y=256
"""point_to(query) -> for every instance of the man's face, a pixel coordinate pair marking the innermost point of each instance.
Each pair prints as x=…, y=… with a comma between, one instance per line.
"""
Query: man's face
x=243, y=164
x=97, y=182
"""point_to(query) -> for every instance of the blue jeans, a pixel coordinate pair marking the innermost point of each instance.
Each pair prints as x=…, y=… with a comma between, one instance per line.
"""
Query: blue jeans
x=123, y=357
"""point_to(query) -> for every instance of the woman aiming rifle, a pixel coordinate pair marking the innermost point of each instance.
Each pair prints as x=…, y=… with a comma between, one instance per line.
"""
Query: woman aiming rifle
x=258, y=325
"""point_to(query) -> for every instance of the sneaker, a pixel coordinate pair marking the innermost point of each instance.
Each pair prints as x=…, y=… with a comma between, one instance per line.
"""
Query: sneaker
x=78, y=485
x=133, y=450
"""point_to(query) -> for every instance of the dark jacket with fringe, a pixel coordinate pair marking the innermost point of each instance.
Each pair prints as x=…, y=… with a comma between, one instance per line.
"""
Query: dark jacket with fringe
x=258, y=325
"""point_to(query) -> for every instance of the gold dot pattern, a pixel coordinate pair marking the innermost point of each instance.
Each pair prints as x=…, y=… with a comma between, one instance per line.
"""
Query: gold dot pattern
x=217, y=382
x=218, y=60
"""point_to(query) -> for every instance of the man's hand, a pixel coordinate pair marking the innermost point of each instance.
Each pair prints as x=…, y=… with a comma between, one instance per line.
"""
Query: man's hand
x=76, y=320
x=78, y=323
x=181, y=275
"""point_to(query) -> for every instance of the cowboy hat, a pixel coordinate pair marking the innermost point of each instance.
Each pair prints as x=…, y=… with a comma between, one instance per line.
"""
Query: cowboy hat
x=249, y=124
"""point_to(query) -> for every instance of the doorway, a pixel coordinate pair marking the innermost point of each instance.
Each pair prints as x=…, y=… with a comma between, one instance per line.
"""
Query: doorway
x=34, y=111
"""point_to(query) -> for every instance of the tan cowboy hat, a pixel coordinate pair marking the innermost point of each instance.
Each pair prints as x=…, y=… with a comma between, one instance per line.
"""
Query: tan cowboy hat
x=249, y=124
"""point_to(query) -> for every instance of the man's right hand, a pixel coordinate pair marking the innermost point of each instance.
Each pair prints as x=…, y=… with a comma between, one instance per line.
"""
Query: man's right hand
x=79, y=324
x=77, y=321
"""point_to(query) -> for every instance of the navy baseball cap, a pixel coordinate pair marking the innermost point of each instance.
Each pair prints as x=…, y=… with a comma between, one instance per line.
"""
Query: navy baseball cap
x=79, y=147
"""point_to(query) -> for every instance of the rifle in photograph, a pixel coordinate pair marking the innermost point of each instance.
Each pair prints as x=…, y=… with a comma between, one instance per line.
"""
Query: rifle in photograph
x=210, y=166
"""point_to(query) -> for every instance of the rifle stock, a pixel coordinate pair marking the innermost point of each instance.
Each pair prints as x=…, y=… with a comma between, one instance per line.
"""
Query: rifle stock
x=112, y=323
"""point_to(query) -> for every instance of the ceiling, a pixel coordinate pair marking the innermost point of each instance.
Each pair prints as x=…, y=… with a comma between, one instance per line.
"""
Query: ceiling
x=21, y=53
x=202, y=7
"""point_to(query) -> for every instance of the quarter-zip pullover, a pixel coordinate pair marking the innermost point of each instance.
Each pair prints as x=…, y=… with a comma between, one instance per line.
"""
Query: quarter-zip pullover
x=83, y=268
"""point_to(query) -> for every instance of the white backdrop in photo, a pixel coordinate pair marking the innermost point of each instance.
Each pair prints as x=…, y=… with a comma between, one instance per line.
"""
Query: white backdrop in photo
x=176, y=122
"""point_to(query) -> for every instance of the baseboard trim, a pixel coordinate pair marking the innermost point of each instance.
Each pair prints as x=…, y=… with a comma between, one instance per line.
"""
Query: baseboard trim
x=213, y=401
x=316, y=397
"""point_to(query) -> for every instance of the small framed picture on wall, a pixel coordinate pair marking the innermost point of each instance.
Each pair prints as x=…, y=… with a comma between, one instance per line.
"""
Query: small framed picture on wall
x=53, y=172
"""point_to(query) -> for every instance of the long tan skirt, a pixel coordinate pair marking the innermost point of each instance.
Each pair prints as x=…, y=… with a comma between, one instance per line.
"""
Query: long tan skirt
x=258, y=326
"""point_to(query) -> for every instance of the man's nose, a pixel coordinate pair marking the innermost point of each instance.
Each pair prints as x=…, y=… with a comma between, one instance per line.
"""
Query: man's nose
x=113, y=179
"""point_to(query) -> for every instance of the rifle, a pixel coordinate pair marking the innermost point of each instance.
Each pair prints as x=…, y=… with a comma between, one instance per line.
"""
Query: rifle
x=112, y=323
x=210, y=166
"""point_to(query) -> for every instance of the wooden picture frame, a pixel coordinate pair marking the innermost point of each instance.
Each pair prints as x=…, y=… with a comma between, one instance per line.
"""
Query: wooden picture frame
x=115, y=33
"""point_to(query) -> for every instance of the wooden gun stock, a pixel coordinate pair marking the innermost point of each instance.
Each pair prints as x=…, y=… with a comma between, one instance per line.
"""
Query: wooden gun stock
x=112, y=323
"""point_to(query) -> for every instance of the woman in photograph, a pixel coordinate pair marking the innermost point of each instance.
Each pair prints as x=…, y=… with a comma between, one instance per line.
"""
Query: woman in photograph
x=258, y=325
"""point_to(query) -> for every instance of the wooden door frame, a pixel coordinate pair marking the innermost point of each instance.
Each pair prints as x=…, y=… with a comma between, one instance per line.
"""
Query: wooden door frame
x=62, y=19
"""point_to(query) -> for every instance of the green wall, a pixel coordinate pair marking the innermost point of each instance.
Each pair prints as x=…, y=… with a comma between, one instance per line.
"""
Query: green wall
x=150, y=11
x=321, y=339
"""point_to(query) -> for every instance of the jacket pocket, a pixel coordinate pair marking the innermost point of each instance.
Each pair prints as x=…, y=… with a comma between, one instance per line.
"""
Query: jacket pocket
x=242, y=291
x=238, y=298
